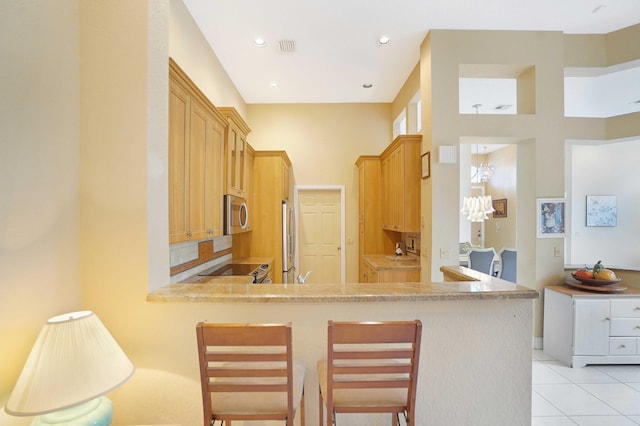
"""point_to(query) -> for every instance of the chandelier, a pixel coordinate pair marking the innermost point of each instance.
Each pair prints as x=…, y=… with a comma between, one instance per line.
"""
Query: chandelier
x=485, y=171
x=477, y=208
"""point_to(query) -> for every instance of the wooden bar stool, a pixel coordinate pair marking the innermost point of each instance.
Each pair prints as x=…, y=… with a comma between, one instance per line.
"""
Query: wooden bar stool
x=247, y=373
x=371, y=367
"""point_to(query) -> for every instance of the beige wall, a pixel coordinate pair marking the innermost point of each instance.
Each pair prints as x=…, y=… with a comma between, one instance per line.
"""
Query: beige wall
x=542, y=175
x=189, y=48
x=540, y=135
x=39, y=253
x=323, y=142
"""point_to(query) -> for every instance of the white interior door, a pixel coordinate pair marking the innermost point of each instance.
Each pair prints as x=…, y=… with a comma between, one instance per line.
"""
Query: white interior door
x=320, y=236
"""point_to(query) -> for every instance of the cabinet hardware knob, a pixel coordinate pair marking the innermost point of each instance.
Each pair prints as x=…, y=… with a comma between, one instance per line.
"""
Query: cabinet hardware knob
x=637, y=327
x=622, y=347
x=607, y=319
x=637, y=308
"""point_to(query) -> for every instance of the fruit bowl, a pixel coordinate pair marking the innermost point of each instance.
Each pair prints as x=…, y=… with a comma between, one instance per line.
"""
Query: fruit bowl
x=594, y=281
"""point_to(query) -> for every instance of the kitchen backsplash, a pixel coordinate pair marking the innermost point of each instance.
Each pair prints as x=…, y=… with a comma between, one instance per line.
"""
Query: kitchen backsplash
x=191, y=257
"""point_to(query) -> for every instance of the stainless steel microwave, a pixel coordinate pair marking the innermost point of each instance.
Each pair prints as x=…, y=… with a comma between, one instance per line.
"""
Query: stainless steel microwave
x=236, y=215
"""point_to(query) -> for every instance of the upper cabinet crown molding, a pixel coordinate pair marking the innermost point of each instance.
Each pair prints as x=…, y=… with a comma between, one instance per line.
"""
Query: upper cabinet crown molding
x=175, y=72
x=281, y=154
x=236, y=118
x=400, y=139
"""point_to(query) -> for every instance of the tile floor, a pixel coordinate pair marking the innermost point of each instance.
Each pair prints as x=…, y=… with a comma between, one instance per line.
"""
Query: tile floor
x=593, y=395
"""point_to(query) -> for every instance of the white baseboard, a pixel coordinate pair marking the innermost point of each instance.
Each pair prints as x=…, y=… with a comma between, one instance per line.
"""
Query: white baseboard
x=537, y=343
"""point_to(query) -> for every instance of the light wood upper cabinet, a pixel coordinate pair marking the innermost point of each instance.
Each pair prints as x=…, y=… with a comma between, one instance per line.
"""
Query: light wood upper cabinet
x=401, y=184
x=179, y=112
x=371, y=238
x=196, y=148
x=236, y=153
x=214, y=179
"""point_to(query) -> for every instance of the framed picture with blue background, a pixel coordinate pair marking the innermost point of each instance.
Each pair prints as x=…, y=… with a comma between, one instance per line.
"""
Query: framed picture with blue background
x=551, y=217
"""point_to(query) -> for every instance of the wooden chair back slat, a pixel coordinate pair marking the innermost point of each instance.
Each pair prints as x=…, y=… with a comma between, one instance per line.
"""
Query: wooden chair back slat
x=363, y=356
x=247, y=359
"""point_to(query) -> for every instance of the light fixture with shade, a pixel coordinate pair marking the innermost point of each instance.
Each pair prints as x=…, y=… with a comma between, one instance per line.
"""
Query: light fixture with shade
x=74, y=362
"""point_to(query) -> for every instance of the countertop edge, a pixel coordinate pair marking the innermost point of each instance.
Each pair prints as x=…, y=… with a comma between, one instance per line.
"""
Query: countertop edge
x=471, y=286
x=175, y=298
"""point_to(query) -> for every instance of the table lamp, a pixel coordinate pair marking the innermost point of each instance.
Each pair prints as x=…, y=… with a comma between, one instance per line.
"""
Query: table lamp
x=74, y=362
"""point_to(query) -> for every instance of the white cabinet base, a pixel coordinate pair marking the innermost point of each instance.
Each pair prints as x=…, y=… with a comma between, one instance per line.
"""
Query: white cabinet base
x=583, y=328
x=581, y=361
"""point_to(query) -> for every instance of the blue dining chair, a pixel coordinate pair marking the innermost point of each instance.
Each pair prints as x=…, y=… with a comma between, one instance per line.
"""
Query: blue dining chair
x=508, y=264
x=481, y=260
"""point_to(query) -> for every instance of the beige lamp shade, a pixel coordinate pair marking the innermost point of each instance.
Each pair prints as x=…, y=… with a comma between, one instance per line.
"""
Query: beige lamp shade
x=75, y=359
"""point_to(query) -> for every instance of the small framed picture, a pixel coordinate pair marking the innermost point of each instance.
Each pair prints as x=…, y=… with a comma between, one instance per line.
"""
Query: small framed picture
x=551, y=218
x=500, y=207
x=426, y=164
x=601, y=210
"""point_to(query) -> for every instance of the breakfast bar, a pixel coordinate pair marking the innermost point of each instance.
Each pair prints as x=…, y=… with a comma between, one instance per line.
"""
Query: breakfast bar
x=475, y=361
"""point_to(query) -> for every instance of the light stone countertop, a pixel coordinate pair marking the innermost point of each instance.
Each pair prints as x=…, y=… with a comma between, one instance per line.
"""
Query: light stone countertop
x=381, y=261
x=472, y=286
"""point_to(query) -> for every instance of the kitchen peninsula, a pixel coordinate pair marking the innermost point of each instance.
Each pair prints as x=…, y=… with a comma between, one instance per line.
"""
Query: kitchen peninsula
x=475, y=365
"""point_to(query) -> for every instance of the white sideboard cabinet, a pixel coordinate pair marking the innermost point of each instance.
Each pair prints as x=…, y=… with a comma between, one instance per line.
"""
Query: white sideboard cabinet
x=583, y=328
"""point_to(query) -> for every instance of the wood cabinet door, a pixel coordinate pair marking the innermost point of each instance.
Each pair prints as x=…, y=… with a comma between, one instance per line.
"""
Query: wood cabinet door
x=179, y=107
x=398, y=276
x=198, y=135
x=386, y=193
x=236, y=156
x=214, y=178
x=392, y=190
x=397, y=189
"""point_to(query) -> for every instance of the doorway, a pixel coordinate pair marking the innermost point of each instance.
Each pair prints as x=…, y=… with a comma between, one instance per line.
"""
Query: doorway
x=320, y=239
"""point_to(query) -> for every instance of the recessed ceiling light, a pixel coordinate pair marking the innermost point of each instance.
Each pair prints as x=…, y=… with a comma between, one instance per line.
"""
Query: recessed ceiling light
x=383, y=41
x=259, y=42
x=367, y=85
x=274, y=85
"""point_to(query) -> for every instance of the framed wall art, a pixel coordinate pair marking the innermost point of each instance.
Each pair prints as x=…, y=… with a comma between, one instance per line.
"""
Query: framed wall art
x=601, y=210
x=426, y=164
x=551, y=217
x=500, y=207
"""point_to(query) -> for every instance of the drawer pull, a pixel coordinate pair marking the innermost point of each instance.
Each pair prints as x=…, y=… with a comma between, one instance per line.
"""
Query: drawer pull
x=622, y=347
x=637, y=327
x=637, y=308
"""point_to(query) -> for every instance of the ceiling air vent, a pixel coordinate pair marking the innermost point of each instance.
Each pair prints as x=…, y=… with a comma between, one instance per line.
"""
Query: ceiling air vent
x=287, y=46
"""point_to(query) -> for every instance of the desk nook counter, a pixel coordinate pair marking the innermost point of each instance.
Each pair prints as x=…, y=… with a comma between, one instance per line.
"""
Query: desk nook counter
x=476, y=353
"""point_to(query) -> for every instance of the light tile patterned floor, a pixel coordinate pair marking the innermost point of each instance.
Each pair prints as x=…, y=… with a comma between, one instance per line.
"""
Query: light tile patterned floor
x=607, y=395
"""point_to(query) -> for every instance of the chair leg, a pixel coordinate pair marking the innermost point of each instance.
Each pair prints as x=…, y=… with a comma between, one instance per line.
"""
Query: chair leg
x=394, y=419
x=302, y=409
x=320, y=407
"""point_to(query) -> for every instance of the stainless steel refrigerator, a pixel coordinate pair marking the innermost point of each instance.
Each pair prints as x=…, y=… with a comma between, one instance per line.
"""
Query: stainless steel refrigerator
x=288, y=243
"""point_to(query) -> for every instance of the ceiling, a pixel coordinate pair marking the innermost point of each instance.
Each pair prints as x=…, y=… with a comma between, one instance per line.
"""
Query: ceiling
x=334, y=49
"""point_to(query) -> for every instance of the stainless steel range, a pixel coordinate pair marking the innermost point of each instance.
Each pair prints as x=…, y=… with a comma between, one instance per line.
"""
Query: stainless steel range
x=260, y=272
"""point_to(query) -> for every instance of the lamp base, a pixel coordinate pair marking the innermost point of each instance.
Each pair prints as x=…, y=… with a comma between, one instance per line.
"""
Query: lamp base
x=97, y=412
